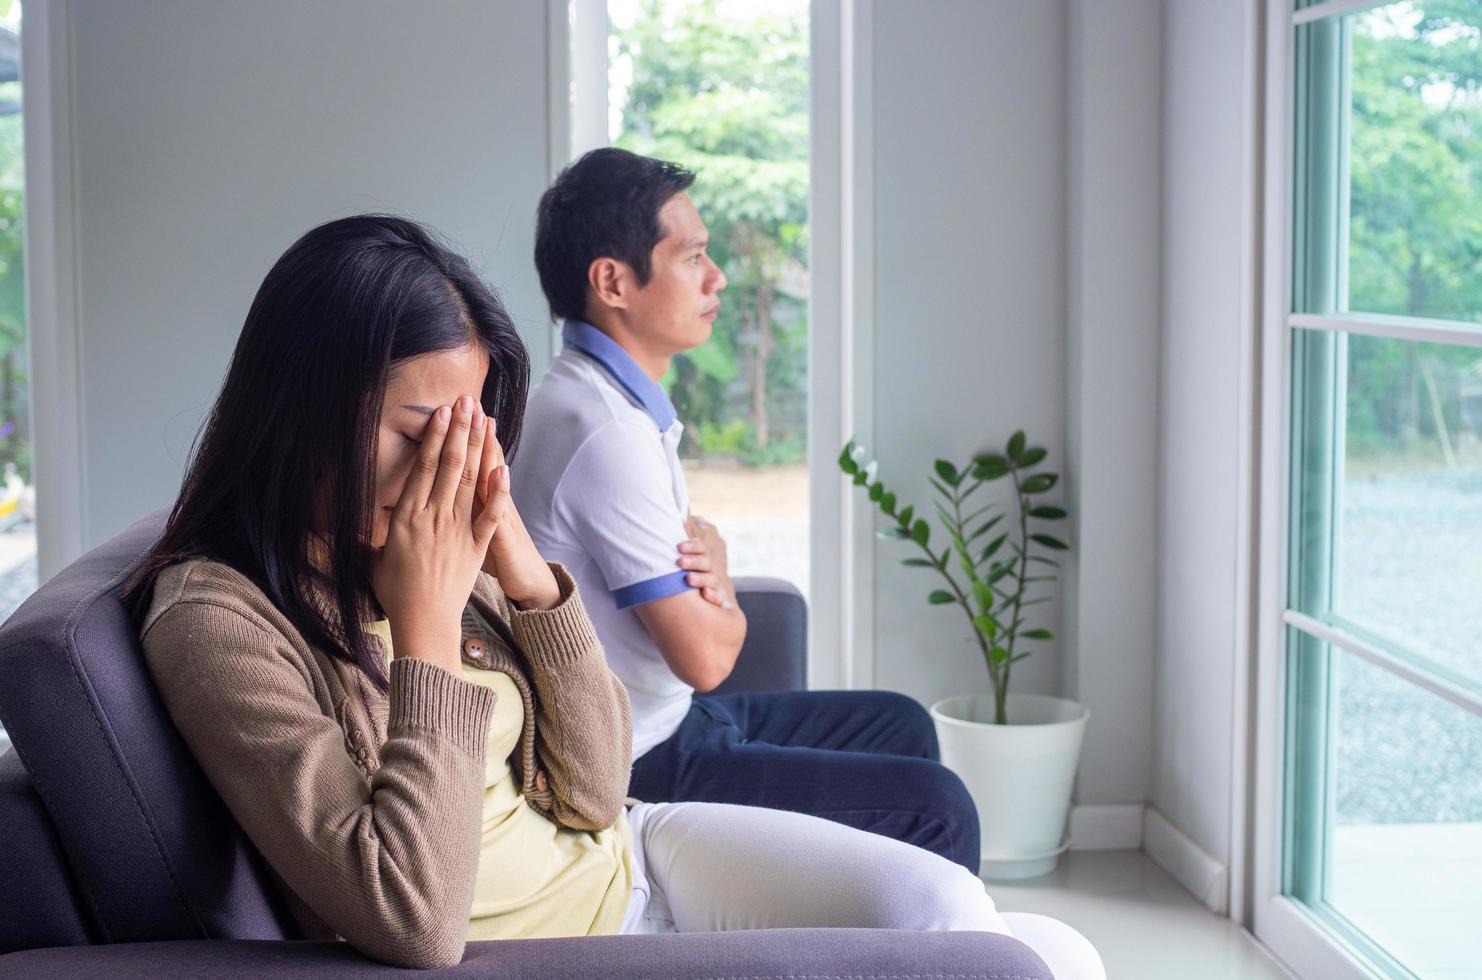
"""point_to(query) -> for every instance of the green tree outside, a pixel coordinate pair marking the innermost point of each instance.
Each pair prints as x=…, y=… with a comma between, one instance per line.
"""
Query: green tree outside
x=1415, y=234
x=722, y=89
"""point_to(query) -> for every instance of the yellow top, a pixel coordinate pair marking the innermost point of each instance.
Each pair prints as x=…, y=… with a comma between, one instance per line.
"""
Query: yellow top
x=537, y=879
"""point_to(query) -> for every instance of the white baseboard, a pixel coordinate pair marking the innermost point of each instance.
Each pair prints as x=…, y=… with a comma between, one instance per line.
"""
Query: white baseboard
x=1204, y=875
x=1106, y=826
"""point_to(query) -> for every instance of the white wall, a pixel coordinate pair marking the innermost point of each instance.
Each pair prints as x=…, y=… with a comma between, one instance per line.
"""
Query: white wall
x=208, y=136
x=1016, y=175
x=969, y=302
x=1206, y=172
x=1113, y=188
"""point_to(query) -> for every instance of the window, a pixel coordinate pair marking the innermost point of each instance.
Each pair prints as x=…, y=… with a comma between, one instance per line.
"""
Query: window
x=1382, y=801
x=17, y=496
x=722, y=88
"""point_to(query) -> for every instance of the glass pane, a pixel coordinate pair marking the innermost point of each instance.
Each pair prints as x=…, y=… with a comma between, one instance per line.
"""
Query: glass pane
x=1404, y=495
x=1405, y=851
x=722, y=89
x=1415, y=159
x=17, y=496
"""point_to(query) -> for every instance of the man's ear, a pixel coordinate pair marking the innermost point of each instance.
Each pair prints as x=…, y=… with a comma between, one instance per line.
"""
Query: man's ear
x=611, y=282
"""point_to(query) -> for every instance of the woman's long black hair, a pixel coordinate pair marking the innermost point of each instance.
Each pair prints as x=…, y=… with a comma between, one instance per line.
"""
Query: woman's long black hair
x=287, y=455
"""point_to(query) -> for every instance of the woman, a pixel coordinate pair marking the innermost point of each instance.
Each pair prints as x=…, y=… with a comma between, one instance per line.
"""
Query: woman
x=404, y=707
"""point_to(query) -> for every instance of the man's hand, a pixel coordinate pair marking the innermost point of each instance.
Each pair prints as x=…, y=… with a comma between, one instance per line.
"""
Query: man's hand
x=703, y=555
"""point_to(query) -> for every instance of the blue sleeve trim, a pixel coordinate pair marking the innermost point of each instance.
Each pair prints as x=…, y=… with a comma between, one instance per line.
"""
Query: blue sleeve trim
x=647, y=591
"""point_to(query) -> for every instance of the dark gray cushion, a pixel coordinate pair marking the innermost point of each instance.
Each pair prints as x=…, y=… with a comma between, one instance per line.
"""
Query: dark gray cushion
x=775, y=654
x=154, y=853
x=38, y=905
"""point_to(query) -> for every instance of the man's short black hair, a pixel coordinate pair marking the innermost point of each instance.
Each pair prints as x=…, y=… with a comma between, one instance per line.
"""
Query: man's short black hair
x=605, y=205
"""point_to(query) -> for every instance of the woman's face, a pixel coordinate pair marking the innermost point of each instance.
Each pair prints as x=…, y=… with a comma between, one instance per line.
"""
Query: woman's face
x=418, y=388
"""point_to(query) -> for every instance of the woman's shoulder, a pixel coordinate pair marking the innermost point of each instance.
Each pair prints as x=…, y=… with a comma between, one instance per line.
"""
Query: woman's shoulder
x=208, y=589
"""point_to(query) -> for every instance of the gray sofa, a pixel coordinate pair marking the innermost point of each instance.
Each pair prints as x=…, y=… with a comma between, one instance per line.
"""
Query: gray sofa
x=120, y=860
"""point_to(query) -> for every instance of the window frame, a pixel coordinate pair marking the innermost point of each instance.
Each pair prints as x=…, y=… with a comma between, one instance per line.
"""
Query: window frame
x=1312, y=941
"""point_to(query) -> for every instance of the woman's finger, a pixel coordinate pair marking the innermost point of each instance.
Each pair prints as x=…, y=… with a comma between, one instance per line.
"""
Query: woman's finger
x=693, y=546
x=418, y=487
x=696, y=563
x=498, y=446
x=473, y=464
x=455, y=453
x=487, y=462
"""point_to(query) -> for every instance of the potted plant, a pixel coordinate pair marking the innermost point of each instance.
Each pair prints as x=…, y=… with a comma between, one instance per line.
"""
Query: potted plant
x=1017, y=753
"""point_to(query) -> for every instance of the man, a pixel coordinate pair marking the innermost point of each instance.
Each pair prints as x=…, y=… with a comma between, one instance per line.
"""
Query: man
x=622, y=258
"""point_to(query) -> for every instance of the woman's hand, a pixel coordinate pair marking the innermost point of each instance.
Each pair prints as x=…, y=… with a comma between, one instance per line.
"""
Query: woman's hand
x=512, y=559
x=437, y=539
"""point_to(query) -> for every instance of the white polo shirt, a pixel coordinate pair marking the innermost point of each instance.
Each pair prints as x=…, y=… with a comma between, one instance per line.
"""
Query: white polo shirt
x=598, y=484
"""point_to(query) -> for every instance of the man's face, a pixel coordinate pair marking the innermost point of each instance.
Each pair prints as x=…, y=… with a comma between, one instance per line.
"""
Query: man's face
x=677, y=307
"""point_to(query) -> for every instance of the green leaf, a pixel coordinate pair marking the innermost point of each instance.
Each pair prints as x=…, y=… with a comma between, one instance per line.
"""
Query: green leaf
x=992, y=546
x=941, y=489
x=1047, y=513
x=846, y=461
x=1029, y=457
x=1044, y=561
x=877, y=490
x=861, y=478
x=1050, y=541
x=887, y=503
x=1016, y=444
x=990, y=466
x=986, y=625
x=917, y=562
x=892, y=534
x=998, y=572
x=940, y=597
x=904, y=517
x=1038, y=483
x=998, y=655
x=920, y=532
x=987, y=526
x=947, y=472
x=1040, y=634
x=984, y=595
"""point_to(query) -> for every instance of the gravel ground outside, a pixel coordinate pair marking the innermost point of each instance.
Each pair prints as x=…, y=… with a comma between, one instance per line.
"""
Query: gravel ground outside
x=1409, y=565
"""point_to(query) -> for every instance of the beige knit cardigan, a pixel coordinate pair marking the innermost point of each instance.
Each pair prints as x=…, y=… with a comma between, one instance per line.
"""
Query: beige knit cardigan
x=367, y=806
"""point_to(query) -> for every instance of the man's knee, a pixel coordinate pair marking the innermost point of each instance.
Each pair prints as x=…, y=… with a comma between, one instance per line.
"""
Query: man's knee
x=911, y=720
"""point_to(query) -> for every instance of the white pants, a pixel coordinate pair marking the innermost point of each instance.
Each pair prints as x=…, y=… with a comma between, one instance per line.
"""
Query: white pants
x=711, y=867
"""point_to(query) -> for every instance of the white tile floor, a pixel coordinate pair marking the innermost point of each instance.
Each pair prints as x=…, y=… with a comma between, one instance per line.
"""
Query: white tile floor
x=1143, y=923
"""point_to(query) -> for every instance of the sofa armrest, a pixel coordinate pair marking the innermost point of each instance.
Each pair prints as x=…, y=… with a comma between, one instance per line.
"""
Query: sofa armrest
x=761, y=953
x=775, y=654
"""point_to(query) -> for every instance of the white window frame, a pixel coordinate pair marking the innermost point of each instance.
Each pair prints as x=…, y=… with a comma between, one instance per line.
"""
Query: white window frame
x=841, y=307
x=1283, y=924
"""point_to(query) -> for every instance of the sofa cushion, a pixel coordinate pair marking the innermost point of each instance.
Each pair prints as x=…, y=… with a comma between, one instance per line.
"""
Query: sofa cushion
x=153, y=852
x=38, y=905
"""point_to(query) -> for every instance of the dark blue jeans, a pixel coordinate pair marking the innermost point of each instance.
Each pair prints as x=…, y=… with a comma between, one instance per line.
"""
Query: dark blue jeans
x=863, y=758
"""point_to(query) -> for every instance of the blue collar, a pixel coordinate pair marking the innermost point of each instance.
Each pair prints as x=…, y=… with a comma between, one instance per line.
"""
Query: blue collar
x=618, y=363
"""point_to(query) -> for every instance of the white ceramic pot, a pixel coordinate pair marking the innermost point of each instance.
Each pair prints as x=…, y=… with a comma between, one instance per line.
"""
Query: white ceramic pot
x=1020, y=775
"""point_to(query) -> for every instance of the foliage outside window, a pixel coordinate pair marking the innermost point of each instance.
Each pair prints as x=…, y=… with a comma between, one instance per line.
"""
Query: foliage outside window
x=722, y=88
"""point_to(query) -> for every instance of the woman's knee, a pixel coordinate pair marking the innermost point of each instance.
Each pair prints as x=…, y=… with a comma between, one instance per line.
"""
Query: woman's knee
x=939, y=896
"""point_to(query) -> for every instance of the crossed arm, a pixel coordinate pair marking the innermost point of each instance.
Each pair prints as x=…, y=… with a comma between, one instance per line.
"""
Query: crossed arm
x=699, y=631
